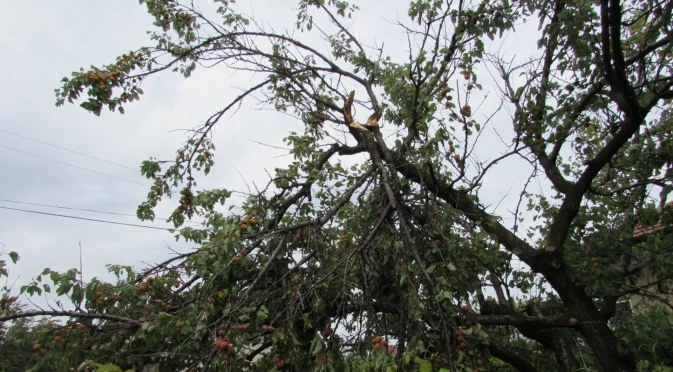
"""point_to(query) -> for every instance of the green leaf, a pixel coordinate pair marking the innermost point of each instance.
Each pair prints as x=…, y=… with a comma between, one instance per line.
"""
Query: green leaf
x=262, y=313
x=162, y=316
x=108, y=368
x=14, y=256
x=424, y=365
x=403, y=279
x=317, y=345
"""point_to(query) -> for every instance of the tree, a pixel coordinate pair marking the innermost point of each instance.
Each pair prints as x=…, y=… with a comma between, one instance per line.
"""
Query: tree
x=24, y=342
x=329, y=266
x=646, y=329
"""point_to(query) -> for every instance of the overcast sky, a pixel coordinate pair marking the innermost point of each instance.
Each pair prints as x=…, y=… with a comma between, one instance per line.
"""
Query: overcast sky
x=42, y=41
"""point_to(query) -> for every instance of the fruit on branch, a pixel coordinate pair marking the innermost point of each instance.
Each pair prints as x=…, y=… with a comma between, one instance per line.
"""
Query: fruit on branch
x=278, y=362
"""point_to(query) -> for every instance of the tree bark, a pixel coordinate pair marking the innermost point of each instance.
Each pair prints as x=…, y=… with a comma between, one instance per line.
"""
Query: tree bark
x=609, y=350
x=512, y=359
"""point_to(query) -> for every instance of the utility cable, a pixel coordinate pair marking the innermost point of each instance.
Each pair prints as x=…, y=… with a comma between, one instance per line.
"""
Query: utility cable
x=65, y=149
x=85, y=210
x=76, y=166
x=88, y=219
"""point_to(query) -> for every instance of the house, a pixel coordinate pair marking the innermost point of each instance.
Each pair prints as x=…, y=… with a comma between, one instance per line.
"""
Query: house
x=655, y=290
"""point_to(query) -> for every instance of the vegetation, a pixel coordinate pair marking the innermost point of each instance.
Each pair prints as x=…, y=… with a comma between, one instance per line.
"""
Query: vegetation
x=365, y=240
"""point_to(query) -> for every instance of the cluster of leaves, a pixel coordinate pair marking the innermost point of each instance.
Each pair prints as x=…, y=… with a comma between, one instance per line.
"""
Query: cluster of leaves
x=318, y=268
x=648, y=330
x=20, y=349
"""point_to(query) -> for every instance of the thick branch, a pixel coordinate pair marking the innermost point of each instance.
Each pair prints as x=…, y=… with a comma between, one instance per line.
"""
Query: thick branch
x=521, y=321
x=71, y=314
x=511, y=358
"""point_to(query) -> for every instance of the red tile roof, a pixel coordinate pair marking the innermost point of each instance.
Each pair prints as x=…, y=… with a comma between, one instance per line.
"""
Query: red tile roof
x=643, y=231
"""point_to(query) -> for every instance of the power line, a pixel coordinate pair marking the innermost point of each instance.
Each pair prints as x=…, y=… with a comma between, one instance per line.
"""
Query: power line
x=75, y=166
x=88, y=219
x=84, y=210
x=65, y=149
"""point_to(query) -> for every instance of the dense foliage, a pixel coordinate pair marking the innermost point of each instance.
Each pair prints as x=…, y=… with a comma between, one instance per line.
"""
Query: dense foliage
x=375, y=252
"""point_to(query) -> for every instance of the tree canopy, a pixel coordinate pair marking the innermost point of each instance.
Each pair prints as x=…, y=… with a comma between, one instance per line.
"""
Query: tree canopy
x=373, y=249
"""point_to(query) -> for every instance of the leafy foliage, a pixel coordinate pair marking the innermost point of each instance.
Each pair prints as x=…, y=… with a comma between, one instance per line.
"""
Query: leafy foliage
x=331, y=265
x=648, y=330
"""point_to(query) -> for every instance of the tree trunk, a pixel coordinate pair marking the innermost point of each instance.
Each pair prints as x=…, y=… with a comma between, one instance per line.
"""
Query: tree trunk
x=611, y=352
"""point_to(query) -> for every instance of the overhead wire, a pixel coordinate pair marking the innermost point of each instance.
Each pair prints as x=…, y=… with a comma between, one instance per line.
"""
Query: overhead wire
x=89, y=219
x=81, y=168
x=84, y=210
x=66, y=149
x=75, y=166
x=78, y=153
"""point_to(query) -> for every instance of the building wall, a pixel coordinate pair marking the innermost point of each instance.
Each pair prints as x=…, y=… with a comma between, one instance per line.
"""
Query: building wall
x=652, y=296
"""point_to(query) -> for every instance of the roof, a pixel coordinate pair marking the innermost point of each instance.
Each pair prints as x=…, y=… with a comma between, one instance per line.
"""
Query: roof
x=643, y=231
